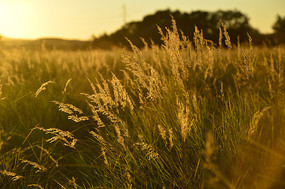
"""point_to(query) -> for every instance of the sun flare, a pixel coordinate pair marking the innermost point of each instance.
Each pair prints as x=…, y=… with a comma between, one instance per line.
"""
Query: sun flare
x=16, y=20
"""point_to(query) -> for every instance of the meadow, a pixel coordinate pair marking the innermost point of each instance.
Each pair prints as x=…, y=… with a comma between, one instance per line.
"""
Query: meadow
x=188, y=114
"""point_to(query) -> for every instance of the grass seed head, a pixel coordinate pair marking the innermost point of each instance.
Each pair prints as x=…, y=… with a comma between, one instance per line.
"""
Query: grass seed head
x=43, y=87
x=14, y=176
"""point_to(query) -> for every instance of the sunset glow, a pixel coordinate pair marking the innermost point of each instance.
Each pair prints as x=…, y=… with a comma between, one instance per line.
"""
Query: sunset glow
x=82, y=19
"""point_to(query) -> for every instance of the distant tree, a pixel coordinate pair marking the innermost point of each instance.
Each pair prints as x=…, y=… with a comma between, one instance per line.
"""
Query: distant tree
x=236, y=22
x=279, y=25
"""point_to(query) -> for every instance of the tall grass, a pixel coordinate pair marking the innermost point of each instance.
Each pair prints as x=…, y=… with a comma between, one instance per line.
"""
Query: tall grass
x=188, y=114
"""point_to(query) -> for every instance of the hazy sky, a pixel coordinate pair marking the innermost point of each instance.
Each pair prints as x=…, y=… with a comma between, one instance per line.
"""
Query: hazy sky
x=79, y=19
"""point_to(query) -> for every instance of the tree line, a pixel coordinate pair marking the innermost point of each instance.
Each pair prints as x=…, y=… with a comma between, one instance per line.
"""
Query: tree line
x=236, y=22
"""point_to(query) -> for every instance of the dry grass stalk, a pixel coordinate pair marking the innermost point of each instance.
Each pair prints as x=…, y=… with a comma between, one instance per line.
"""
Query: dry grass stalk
x=183, y=119
x=98, y=137
x=102, y=141
x=162, y=133
x=104, y=106
x=66, y=137
x=250, y=42
x=145, y=44
x=104, y=89
x=186, y=43
x=174, y=27
x=43, y=87
x=173, y=47
x=71, y=110
x=246, y=65
x=220, y=37
x=157, y=59
x=137, y=52
x=170, y=132
x=210, y=59
x=146, y=78
x=104, y=94
x=280, y=64
x=102, y=102
x=77, y=119
x=273, y=72
x=156, y=84
x=92, y=85
x=4, y=138
x=95, y=116
x=1, y=143
x=255, y=120
x=151, y=154
x=1, y=92
x=35, y=165
x=36, y=185
x=120, y=138
x=68, y=108
x=105, y=103
x=271, y=91
x=171, y=40
x=115, y=120
x=198, y=39
x=195, y=102
x=120, y=94
x=222, y=92
x=66, y=84
x=106, y=162
x=73, y=183
x=226, y=34
x=49, y=155
x=14, y=176
x=129, y=179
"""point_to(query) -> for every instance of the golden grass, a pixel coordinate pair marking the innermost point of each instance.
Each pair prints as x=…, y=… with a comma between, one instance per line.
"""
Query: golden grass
x=188, y=114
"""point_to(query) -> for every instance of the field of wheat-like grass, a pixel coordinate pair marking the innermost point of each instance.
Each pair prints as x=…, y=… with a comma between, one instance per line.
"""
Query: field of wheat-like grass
x=188, y=114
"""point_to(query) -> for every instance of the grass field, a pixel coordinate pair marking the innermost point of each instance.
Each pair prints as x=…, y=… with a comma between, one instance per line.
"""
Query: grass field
x=189, y=114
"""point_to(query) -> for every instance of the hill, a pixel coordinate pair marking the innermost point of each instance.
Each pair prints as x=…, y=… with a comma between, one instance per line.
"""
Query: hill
x=46, y=43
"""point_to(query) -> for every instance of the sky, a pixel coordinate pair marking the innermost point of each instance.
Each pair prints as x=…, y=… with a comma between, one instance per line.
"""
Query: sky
x=80, y=19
